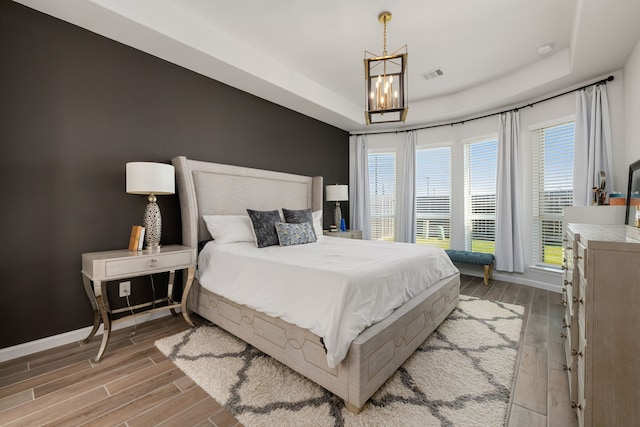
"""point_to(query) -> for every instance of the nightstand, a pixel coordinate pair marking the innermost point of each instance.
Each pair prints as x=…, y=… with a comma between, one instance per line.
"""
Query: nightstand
x=103, y=267
x=348, y=234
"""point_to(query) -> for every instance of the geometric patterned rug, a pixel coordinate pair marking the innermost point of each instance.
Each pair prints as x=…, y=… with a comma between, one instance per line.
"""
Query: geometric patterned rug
x=460, y=376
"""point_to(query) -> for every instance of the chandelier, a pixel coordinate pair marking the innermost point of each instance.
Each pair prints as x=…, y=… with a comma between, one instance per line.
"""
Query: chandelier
x=386, y=82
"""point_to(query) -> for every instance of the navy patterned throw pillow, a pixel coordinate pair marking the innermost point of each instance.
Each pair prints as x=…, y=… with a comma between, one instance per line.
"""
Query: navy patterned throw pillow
x=295, y=234
x=264, y=227
x=299, y=216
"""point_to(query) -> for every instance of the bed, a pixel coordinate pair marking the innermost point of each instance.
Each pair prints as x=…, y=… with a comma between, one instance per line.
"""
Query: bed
x=374, y=354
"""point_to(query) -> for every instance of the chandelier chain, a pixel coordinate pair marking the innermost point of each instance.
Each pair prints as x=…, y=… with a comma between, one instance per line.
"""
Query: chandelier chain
x=384, y=50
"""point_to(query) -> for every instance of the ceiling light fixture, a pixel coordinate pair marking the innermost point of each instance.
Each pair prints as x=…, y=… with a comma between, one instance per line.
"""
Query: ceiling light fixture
x=386, y=82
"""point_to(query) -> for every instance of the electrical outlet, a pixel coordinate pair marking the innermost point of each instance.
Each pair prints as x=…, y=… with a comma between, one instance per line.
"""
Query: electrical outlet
x=125, y=289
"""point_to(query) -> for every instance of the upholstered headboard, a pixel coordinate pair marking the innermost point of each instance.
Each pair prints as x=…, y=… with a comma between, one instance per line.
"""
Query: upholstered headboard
x=215, y=189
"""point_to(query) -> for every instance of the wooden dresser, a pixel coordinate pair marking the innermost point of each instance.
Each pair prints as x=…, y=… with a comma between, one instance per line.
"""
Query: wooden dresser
x=601, y=294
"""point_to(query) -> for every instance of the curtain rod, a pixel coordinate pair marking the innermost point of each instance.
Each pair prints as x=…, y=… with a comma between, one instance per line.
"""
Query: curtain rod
x=461, y=122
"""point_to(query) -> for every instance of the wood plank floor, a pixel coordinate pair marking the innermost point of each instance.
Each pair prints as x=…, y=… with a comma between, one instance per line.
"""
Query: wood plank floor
x=135, y=385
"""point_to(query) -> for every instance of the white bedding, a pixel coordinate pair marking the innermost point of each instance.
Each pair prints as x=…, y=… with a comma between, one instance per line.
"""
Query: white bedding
x=335, y=287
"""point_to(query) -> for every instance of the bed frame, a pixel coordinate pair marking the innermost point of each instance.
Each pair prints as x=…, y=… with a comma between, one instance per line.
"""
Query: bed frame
x=209, y=189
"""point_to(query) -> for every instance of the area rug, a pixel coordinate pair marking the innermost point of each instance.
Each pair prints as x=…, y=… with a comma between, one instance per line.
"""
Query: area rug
x=460, y=376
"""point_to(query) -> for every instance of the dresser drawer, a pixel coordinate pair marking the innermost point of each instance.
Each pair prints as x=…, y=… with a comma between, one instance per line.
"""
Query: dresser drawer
x=148, y=263
x=570, y=365
x=568, y=255
x=568, y=294
x=582, y=325
x=581, y=258
x=582, y=398
x=581, y=290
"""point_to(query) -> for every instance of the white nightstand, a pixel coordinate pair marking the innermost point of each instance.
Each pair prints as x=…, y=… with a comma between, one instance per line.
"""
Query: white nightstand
x=103, y=267
x=348, y=234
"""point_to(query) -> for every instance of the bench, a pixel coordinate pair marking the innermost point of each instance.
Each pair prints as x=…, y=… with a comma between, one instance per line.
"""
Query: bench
x=469, y=257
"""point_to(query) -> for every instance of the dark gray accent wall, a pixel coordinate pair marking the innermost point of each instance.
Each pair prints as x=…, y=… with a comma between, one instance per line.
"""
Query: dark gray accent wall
x=74, y=108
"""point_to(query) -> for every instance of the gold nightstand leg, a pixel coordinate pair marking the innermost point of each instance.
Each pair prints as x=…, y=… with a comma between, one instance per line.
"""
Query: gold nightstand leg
x=96, y=314
x=101, y=289
x=172, y=275
x=185, y=295
x=96, y=325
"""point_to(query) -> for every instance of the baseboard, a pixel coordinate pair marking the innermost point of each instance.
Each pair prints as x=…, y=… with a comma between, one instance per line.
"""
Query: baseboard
x=528, y=282
x=47, y=343
x=520, y=279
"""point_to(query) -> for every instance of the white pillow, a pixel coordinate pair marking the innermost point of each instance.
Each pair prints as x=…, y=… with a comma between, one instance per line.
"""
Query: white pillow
x=317, y=223
x=229, y=228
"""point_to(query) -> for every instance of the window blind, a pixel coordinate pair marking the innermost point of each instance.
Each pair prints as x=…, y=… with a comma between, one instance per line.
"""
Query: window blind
x=433, y=196
x=382, y=195
x=552, y=189
x=480, y=171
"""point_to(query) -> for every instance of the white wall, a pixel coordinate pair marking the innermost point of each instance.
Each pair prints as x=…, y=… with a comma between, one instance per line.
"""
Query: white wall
x=548, y=111
x=632, y=106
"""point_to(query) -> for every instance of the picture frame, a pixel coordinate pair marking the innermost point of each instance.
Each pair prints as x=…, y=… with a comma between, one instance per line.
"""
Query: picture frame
x=633, y=191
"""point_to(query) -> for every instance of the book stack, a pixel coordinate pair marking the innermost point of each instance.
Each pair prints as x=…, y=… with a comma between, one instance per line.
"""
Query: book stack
x=136, y=240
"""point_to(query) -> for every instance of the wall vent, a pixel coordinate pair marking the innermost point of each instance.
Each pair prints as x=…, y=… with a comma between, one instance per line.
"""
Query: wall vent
x=432, y=74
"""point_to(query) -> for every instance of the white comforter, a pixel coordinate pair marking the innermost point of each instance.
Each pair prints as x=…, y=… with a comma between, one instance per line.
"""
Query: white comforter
x=334, y=287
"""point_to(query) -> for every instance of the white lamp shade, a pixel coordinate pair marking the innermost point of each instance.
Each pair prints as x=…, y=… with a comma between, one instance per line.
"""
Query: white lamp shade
x=337, y=193
x=148, y=177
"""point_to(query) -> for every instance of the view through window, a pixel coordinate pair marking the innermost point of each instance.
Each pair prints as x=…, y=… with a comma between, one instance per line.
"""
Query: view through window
x=552, y=189
x=480, y=170
x=382, y=195
x=433, y=196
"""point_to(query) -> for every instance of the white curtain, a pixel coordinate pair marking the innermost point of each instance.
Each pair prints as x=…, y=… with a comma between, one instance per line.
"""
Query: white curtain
x=407, y=197
x=593, y=144
x=359, y=188
x=509, y=250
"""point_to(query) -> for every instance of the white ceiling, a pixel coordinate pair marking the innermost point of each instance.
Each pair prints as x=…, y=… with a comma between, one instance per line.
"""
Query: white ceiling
x=308, y=55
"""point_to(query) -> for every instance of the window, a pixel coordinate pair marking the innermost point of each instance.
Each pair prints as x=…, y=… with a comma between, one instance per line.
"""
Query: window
x=433, y=196
x=480, y=169
x=552, y=189
x=382, y=195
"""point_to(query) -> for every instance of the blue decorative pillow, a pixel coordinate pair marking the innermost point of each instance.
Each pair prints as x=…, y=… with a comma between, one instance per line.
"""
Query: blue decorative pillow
x=264, y=227
x=298, y=217
x=295, y=234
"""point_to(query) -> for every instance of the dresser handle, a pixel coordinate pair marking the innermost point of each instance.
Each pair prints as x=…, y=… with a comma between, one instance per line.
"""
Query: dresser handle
x=562, y=335
x=577, y=257
x=564, y=325
x=564, y=267
x=581, y=300
x=153, y=263
x=574, y=405
x=566, y=368
x=564, y=289
x=566, y=282
x=575, y=352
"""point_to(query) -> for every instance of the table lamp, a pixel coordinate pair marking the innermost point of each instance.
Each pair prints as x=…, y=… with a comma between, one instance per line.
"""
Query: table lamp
x=337, y=193
x=151, y=179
